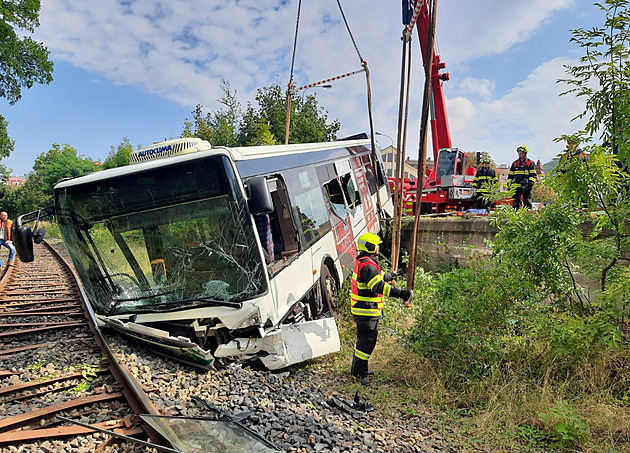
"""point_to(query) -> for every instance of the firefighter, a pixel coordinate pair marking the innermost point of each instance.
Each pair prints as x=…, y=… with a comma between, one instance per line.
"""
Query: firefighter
x=522, y=177
x=485, y=178
x=369, y=285
x=408, y=204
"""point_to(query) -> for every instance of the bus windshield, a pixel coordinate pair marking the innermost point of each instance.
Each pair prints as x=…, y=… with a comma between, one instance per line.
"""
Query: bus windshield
x=163, y=239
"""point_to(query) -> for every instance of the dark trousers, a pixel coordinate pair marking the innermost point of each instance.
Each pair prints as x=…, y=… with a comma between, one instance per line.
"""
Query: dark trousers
x=367, y=334
x=481, y=203
x=526, y=194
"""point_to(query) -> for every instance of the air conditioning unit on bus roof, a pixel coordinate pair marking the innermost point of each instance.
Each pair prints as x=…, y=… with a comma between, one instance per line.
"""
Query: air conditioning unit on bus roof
x=169, y=148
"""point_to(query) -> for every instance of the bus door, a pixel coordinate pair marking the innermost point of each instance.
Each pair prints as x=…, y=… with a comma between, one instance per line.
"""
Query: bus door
x=352, y=197
x=339, y=216
x=310, y=215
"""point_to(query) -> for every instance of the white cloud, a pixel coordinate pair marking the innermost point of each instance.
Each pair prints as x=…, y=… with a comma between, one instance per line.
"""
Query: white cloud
x=481, y=87
x=471, y=29
x=532, y=113
x=181, y=49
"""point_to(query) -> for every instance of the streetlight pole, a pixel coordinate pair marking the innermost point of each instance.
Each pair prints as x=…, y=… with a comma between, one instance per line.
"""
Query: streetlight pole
x=398, y=201
x=327, y=87
x=392, y=145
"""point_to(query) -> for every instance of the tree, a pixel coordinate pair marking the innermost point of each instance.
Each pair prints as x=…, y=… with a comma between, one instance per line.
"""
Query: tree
x=263, y=122
x=23, y=62
x=59, y=163
x=601, y=182
x=6, y=144
x=309, y=122
x=119, y=155
x=219, y=127
x=602, y=77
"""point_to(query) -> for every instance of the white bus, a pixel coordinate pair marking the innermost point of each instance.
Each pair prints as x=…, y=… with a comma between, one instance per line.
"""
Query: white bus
x=214, y=254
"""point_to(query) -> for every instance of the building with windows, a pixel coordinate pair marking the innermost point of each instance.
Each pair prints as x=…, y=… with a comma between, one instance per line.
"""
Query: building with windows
x=389, y=155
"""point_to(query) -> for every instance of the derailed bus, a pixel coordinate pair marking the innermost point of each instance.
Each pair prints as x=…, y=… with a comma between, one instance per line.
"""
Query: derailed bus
x=215, y=254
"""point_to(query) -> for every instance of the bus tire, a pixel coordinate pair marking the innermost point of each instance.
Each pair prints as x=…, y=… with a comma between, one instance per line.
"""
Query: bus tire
x=330, y=289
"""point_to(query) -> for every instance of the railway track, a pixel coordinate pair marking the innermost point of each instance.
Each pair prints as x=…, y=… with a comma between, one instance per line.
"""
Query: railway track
x=55, y=366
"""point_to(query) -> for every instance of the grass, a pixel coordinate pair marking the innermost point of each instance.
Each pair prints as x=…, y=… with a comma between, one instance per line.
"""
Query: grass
x=504, y=412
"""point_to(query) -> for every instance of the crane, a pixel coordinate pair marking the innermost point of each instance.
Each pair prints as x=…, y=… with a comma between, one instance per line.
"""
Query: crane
x=448, y=185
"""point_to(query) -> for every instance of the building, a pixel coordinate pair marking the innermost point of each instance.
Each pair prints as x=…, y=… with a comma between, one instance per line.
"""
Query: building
x=15, y=181
x=389, y=155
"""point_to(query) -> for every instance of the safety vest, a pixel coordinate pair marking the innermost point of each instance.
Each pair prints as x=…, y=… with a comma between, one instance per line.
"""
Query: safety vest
x=484, y=179
x=8, y=224
x=363, y=300
x=522, y=173
x=408, y=204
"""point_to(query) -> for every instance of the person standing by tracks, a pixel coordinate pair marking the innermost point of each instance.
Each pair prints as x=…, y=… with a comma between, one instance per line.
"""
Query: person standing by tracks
x=366, y=302
x=5, y=237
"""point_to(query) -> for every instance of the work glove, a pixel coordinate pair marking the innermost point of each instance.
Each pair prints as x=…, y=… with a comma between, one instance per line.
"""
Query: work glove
x=406, y=296
x=389, y=276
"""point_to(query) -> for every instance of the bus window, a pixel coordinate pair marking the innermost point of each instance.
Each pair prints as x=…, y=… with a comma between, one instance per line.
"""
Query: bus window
x=309, y=204
x=282, y=227
x=371, y=180
x=351, y=193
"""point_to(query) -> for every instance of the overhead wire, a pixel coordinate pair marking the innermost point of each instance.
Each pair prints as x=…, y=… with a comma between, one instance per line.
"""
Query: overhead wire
x=375, y=162
x=290, y=84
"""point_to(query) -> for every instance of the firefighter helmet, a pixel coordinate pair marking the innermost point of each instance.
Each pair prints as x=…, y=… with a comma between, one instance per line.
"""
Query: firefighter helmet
x=485, y=160
x=368, y=242
x=522, y=149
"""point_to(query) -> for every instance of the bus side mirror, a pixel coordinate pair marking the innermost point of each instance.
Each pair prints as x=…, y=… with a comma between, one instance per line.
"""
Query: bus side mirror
x=260, y=201
x=23, y=237
x=38, y=235
x=23, y=241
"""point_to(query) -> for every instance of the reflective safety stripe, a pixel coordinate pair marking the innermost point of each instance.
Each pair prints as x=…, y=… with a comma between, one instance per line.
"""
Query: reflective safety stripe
x=361, y=355
x=373, y=312
x=377, y=278
x=357, y=297
x=364, y=299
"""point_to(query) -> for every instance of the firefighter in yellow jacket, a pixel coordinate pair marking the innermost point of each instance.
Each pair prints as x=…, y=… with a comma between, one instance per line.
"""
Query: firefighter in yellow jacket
x=369, y=285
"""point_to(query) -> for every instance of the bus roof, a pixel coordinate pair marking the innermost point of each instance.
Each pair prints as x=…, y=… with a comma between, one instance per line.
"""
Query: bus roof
x=236, y=153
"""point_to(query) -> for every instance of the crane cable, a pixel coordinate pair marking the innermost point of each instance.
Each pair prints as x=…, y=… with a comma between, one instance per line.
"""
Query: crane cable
x=402, y=135
x=290, y=84
x=375, y=162
x=424, y=125
x=401, y=146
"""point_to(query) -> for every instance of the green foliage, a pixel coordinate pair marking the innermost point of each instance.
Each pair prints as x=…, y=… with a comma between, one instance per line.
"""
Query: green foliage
x=6, y=144
x=535, y=436
x=601, y=77
x=472, y=323
x=567, y=428
x=119, y=155
x=23, y=62
x=537, y=247
x=59, y=163
x=36, y=366
x=263, y=123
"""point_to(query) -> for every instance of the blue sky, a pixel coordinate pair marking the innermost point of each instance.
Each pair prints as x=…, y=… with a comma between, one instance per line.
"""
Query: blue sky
x=137, y=69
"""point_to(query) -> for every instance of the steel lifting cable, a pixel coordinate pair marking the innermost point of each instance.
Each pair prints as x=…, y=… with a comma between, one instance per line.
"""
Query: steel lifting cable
x=399, y=200
x=402, y=135
x=369, y=100
x=290, y=85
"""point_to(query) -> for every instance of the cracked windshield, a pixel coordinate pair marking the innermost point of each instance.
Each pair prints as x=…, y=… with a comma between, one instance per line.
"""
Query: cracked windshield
x=166, y=250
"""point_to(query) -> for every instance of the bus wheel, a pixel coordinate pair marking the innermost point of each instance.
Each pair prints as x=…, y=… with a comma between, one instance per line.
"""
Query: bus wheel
x=329, y=291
